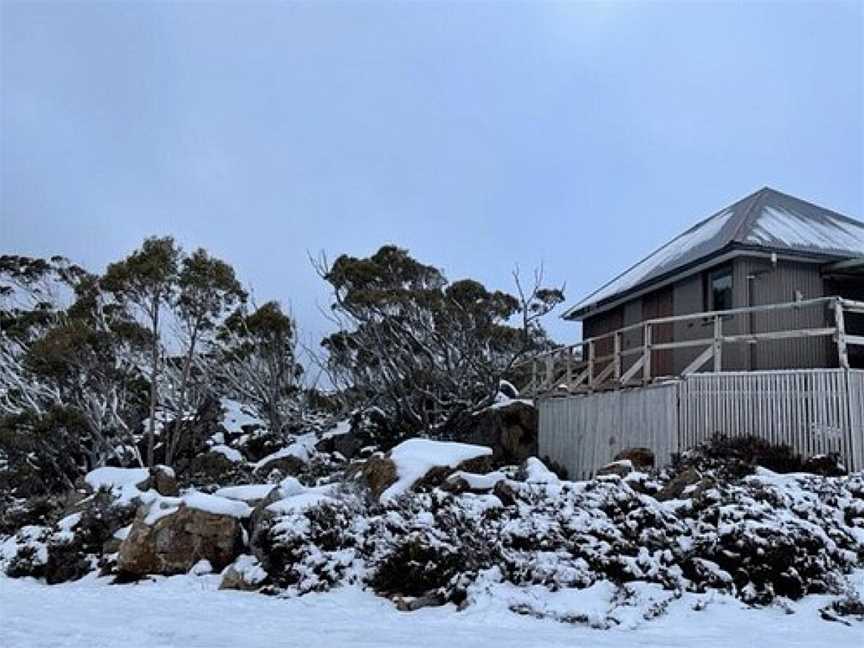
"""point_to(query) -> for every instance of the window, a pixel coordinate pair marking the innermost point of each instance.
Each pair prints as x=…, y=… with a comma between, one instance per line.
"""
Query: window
x=719, y=293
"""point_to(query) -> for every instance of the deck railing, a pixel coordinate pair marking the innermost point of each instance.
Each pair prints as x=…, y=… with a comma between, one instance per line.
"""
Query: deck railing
x=578, y=367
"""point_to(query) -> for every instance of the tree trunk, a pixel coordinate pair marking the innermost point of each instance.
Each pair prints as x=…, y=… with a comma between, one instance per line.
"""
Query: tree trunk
x=154, y=374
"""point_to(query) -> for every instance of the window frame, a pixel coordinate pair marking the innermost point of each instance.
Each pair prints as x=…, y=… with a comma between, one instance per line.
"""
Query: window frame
x=710, y=278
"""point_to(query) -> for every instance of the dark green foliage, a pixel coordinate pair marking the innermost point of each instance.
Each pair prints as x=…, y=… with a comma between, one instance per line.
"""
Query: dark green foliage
x=419, y=347
x=416, y=568
x=737, y=457
x=46, y=453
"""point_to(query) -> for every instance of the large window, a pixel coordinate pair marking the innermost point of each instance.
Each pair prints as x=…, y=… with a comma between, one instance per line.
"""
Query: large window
x=719, y=290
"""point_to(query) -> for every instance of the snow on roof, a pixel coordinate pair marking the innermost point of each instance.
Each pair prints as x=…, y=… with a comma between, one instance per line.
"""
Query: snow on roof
x=416, y=457
x=766, y=219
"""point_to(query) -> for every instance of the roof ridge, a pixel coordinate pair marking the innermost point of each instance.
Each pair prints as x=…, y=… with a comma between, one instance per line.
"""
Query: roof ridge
x=751, y=213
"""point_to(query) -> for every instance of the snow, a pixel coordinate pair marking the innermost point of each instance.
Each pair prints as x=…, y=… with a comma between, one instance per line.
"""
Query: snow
x=228, y=452
x=249, y=568
x=416, y=457
x=123, y=482
x=189, y=611
x=237, y=416
x=537, y=473
x=247, y=493
x=120, y=478
x=299, y=502
x=341, y=428
x=216, y=505
x=776, y=226
x=303, y=448
x=476, y=481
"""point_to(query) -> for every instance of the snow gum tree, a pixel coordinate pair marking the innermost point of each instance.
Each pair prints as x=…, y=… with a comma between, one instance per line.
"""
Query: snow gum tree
x=422, y=348
x=147, y=280
x=257, y=361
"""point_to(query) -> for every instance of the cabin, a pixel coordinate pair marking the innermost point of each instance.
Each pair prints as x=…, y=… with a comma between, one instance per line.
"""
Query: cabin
x=750, y=322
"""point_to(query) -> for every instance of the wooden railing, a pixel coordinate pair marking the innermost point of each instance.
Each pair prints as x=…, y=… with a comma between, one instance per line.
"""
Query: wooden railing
x=578, y=367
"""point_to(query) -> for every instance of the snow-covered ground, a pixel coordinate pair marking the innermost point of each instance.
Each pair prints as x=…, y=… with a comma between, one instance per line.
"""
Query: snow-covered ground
x=188, y=612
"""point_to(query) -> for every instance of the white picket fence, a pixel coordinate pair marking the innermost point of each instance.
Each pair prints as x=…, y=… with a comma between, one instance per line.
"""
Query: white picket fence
x=814, y=411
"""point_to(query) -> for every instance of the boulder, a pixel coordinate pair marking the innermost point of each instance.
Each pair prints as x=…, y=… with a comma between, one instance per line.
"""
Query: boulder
x=287, y=465
x=509, y=428
x=419, y=464
x=679, y=484
x=377, y=473
x=176, y=541
x=641, y=458
x=621, y=468
x=245, y=574
x=534, y=471
x=163, y=480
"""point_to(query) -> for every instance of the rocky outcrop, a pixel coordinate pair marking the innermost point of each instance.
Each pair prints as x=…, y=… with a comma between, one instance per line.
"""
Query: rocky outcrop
x=678, y=485
x=642, y=459
x=245, y=574
x=174, y=542
x=509, y=428
x=376, y=473
x=621, y=468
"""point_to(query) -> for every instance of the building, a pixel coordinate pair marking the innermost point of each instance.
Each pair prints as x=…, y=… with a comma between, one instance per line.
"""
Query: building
x=766, y=295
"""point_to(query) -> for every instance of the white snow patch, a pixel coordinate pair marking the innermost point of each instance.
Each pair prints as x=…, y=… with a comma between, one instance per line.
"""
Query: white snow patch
x=476, y=481
x=303, y=448
x=246, y=493
x=228, y=452
x=537, y=473
x=341, y=428
x=416, y=457
x=237, y=416
x=216, y=505
x=189, y=611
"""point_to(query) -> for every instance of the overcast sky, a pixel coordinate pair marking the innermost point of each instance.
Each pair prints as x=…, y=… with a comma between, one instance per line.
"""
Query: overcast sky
x=478, y=135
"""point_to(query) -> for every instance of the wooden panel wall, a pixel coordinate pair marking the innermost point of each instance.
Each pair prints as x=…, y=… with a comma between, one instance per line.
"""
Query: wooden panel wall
x=814, y=411
x=585, y=432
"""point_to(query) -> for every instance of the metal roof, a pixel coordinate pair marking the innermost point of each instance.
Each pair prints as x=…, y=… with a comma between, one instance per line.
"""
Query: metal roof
x=766, y=220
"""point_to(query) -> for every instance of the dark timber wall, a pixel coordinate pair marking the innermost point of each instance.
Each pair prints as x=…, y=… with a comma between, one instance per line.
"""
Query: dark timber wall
x=756, y=282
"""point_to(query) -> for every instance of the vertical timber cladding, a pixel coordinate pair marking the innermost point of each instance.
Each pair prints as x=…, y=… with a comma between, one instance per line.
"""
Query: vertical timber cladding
x=584, y=432
x=814, y=411
x=856, y=411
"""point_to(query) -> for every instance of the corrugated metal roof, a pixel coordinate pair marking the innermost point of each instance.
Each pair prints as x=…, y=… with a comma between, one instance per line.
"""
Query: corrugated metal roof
x=767, y=219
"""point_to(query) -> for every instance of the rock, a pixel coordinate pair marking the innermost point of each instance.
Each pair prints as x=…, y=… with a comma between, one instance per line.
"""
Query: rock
x=826, y=465
x=162, y=478
x=377, y=473
x=678, y=484
x=216, y=468
x=245, y=574
x=534, y=471
x=413, y=603
x=641, y=458
x=175, y=542
x=464, y=482
x=621, y=468
x=507, y=491
x=287, y=465
x=342, y=439
x=510, y=429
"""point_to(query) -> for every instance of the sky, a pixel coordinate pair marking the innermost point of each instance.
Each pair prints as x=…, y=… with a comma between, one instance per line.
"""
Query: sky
x=479, y=135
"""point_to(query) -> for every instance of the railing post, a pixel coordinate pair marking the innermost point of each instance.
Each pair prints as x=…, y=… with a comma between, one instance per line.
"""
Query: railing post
x=617, y=358
x=569, y=366
x=646, y=353
x=840, y=335
x=590, y=364
x=718, y=344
